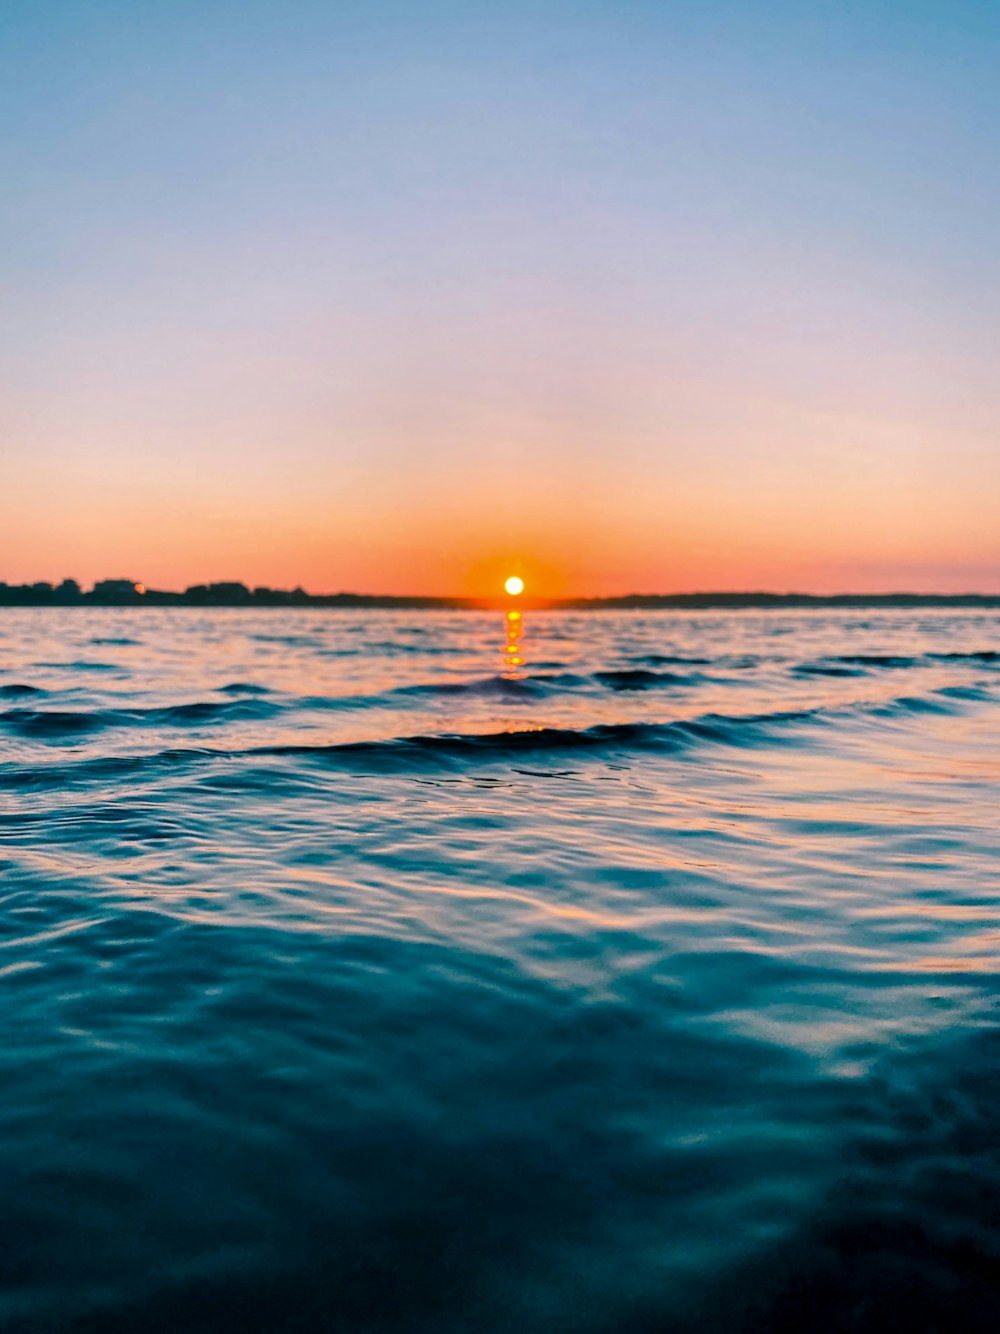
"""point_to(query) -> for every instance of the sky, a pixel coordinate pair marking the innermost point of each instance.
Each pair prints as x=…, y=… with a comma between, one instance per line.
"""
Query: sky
x=403, y=297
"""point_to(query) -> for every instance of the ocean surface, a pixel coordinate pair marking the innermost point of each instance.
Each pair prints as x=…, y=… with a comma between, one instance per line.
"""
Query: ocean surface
x=600, y=973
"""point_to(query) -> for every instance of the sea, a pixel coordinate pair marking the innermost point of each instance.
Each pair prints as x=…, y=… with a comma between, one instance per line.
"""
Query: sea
x=464, y=973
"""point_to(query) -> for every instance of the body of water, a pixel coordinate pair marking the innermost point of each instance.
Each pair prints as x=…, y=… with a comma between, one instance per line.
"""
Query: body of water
x=590, y=973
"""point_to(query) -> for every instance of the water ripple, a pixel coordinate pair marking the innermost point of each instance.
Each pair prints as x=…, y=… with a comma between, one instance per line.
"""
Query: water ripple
x=628, y=973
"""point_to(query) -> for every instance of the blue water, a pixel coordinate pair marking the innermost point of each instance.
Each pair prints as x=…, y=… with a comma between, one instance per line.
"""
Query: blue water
x=591, y=973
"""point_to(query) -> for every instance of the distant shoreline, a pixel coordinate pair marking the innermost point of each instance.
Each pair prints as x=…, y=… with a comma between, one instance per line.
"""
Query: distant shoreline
x=122, y=593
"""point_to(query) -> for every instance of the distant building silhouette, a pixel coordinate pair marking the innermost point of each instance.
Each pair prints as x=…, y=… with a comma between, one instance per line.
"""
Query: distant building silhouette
x=231, y=594
x=118, y=590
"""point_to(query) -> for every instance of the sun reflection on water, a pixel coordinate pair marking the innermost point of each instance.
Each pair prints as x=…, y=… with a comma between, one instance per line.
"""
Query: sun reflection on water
x=513, y=649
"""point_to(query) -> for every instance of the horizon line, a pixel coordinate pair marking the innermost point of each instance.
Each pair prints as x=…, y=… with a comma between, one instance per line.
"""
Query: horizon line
x=236, y=593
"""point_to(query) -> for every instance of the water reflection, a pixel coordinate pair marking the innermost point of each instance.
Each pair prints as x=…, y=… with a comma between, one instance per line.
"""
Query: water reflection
x=759, y=950
x=513, y=646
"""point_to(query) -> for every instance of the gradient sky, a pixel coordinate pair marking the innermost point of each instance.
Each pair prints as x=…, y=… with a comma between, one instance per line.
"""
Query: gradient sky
x=392, y=297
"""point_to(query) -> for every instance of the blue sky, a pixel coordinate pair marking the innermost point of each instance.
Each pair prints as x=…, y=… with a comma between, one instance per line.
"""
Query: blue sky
x=657, y=296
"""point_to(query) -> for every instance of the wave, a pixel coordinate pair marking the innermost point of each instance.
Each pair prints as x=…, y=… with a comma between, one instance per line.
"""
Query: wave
x=980, y=655
x=19, y=690
x=669, y=660
x=643, y=679
x=739, y=730
x=80, y=665
x=51, y=724
x=204, y=712
x=417, y=751
x=427, y=749
x=826, y=669
x=978, y=694
x=101, y=768
x=538, y=684
x=292, y=641
x=876, y=659
x=905, y=660
x=534, y=685
x=938, y=702
x=859, y=664
x=413, y=753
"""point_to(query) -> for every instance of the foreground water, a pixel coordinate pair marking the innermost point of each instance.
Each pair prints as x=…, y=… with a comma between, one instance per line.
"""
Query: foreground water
x=428, y=973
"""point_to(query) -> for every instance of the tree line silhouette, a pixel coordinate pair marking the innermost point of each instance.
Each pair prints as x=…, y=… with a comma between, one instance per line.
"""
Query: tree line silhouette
x=133, y=593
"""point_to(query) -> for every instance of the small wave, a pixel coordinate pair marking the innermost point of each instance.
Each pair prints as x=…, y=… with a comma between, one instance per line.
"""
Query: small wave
x=502, y=686
x=856, y=664
x=977, y=694
x=826, y=669
x=414, y=752
x=669, y=660
x=50, y=723
x=541, y=684
x=418, y=751
x=538, y=685
x=876, y=660
x=534, y=685
x=401, y=753
x=112, y=642
x=204, y=712
x=980, y=655
x=292, y=641
x=244, y=688
x=54, y=723
x=81, y=665
x=19, y=690
x=407, y=752
x=643, y=679
x=102, y=769
x=559, y=678
x=913, y=704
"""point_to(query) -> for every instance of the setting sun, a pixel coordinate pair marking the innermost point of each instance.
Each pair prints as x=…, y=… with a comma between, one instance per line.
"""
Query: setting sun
x=514, y=585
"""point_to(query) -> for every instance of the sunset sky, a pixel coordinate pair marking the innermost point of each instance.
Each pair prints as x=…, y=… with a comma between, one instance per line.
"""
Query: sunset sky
x=394, y=297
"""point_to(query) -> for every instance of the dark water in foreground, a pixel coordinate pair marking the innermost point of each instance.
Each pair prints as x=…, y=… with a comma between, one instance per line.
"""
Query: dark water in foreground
x=633, y=973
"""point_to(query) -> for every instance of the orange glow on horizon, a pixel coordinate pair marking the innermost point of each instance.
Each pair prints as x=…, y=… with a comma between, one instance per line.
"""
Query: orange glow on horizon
x=783, y=542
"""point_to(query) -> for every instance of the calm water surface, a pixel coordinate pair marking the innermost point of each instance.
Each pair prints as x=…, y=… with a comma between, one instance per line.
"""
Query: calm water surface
x=588, y=973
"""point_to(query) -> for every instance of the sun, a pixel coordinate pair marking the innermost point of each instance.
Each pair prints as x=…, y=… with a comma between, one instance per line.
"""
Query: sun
x=514, y=585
